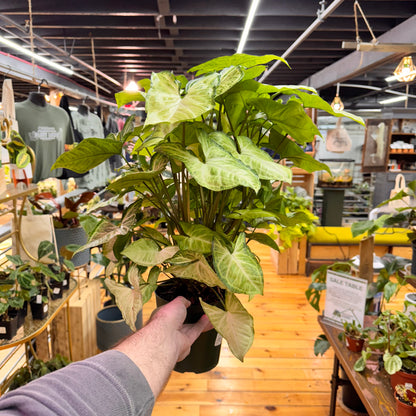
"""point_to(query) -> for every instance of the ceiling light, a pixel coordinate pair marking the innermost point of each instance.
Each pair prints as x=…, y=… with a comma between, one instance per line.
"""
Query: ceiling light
x=394, y=99
x=34, y=55
x=247, y=26
x=132, y=87
x=337, y=104
x=406, y=71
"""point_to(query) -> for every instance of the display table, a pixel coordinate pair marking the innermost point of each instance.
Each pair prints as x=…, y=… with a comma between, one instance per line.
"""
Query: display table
x=373, y=387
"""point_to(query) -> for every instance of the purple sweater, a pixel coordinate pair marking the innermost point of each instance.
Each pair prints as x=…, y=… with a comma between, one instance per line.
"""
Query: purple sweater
x=106, y=384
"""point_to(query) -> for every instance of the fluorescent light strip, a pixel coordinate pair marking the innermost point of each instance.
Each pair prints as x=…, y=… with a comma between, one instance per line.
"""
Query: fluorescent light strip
x=394, y=77
x=247, y=26
x=394, y=99
x=37, y=57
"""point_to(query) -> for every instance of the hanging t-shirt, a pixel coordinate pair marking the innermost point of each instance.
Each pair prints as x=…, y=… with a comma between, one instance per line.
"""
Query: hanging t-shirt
x=46, y=130
x=90, y=126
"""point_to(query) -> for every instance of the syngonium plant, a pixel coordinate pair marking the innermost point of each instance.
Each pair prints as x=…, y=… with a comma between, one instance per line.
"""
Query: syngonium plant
x=202, y=157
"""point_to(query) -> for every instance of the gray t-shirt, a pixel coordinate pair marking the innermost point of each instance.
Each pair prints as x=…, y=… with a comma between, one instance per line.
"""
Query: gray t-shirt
x=46, y=130
x=106, y=384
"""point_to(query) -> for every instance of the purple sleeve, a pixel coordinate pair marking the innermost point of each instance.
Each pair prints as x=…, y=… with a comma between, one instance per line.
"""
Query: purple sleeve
x=106, y=384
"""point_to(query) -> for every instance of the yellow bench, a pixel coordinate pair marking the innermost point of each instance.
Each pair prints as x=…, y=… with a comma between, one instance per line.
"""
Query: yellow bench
x=330, y=244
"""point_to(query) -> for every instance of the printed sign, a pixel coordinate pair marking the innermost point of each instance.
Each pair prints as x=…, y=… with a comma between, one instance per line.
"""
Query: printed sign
x=345, y=298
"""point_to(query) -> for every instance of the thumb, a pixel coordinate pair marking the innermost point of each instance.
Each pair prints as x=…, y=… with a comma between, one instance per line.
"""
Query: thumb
x=193, y=331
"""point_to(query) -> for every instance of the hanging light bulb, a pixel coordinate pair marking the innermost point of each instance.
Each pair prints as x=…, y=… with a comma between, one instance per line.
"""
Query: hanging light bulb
x=406, y=71
x=337, y=104
x=132, y=87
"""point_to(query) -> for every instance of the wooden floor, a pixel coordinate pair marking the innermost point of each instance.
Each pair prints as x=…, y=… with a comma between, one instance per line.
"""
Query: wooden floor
x=280, y=374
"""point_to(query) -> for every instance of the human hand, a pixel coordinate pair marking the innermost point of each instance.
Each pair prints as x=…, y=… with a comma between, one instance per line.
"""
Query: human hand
x=170, y=319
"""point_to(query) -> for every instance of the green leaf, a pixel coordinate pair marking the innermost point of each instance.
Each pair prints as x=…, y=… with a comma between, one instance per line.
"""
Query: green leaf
x=244, y=60
x=128, y=300
x=290, y=118
x=22, y=159
x=239, y=270
x=392, y=363
x=155, y=235
x=228, y=78
x=321, y=345
x=235, y=324
x=125, y=97
x=45, y=248
x=263, y=239
x=88, y=154
x=150, y=286
x=220, y=171
x=3, y=308
x=146, y=252
x=359, y=365
x=389, y=290
x=199, y=98
x=198, y=238
x=192, y=265
x=262, y=163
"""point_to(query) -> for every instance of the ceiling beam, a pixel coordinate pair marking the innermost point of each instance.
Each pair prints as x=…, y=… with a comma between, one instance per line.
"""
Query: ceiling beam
x=357, y=63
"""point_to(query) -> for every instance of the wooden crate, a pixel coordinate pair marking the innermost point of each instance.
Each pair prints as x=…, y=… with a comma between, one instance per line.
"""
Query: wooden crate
x=292, y=260
x=83, y=309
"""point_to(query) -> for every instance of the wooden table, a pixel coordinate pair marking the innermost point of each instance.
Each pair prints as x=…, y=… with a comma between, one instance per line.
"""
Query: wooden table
x=372, y=386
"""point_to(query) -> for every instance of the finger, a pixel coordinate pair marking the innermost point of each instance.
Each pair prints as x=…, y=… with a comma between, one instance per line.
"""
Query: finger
x=193, y=331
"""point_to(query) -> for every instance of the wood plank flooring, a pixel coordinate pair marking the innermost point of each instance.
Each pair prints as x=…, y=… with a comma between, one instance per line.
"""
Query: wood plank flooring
x=280, y=374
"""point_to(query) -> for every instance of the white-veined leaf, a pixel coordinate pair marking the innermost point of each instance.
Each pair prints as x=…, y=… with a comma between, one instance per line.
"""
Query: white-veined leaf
x=146, y=252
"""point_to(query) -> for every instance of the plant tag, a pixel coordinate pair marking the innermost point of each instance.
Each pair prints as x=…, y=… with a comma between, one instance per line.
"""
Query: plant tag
x=45, y=308
x=65, y=282
x=56, y=291
x=408, y=385
x=39, y=299
x=3, y=330
x=218, y=340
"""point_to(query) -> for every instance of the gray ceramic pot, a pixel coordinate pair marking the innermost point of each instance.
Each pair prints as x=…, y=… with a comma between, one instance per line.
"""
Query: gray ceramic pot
x=111, y=327
x=65, y=236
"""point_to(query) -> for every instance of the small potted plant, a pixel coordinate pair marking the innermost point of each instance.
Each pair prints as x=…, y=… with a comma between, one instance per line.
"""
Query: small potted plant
x=394, y=337
x=68, y=229
x=354, y=335
x=199, y=159
x=405, y=400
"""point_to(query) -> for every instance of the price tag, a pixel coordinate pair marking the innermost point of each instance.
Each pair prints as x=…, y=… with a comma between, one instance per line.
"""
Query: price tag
x=39, y=299
x=2, y=330
x=65, y=282
x=56, y=291
x=45, y=308
x=218, y=340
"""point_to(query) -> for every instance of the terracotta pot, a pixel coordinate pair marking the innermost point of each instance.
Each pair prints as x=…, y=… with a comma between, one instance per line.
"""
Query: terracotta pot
x=402, y=377
x=404, y=409
x=354, y=344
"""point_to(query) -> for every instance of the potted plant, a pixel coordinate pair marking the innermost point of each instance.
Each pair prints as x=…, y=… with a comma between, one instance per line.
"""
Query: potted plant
x=199, y=159
x=354, y=335
x=394, y=337
x=66, y=220
x=20, y=156
x=405, y=400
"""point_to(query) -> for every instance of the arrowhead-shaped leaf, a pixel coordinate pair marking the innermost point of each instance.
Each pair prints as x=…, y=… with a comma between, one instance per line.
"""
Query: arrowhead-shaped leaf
x=263, y=238
x=235, y=324
x=191, y=265
x=199, y=98
x=239, y=270
x=146, y=252
x=129, y=301
x=220, y=171
x=150, y=286
x=88, y=154
x=228, y=78
x=125, y=97
x=199, y=238
x=262, y=163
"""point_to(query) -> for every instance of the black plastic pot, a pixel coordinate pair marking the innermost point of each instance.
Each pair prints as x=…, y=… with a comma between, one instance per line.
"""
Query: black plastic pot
x=8, y=328
x=111, y=327
x=56, y=288
x=39, y=308
x=205, y=351
x=19, y=313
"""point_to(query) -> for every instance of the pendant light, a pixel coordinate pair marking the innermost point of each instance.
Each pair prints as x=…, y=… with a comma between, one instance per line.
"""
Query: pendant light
x=337, y=104
x=406, y=71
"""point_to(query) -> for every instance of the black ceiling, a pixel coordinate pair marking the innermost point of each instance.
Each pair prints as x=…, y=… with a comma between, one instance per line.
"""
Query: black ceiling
x=136, y=38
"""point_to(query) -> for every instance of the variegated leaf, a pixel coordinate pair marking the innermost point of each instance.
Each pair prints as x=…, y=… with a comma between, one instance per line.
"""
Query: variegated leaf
x=192, y=265
x=239, y=270
x=146, y=252
x=198, y=238
x=235, y=324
